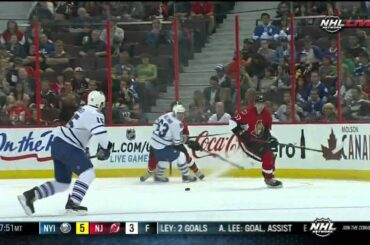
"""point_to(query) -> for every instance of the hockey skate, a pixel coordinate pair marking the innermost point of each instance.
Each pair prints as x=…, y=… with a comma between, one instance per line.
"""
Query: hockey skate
x=160, y=178
x=273, y=183
x=26, y=200
x=146, y=176
x=200, y=175
x=188, y=178
x=74, y=208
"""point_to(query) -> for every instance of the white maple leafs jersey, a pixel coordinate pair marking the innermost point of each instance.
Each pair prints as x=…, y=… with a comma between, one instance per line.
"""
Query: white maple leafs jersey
x=167, y=130
x=85, y=123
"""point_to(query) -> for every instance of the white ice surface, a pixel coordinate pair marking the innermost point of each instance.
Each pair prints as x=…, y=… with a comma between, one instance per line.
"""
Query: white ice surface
x=219, y=199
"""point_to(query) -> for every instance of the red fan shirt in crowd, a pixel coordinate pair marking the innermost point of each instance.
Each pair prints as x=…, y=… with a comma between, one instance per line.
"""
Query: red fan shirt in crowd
x=5, y=37
x=19, y=115
x=256, y=124
x=232, y=67
x=202, y=8
x=57, y=88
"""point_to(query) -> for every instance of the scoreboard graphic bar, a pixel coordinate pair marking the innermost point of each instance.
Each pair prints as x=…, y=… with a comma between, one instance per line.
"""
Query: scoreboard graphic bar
x=319, y=227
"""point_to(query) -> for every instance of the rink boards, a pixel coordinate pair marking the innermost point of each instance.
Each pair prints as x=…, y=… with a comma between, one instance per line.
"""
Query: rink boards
x=337, y=151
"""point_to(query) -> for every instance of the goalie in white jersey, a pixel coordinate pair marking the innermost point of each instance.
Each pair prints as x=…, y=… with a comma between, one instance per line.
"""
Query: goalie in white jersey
x=166, y=138
x=69, y=151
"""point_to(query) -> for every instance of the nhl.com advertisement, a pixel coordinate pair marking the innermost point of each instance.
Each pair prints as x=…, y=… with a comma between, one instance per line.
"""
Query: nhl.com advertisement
x=338, y=146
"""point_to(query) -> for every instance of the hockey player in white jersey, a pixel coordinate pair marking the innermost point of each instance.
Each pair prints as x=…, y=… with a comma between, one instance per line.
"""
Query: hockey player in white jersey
x=68, y=151
x=166, y=138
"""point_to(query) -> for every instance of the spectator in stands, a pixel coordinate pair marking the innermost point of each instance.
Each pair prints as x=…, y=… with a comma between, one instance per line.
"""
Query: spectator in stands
x=265, y=29
x=126, y=94
x=198, y=111
x=315, y=83
x=304, y=67
x=156, y=36
x=283, y=78
x=212, y=93
x=130, y=10
x=249, y=98
x=265, y=51
x=282, y=51
x=146, y=77
x=268, y=82
x=57, y=61
x=42, y=11
x=332, y=51
x=220, y=116
x=116, y=37
x=156, y=10
x=329, y=114
x=136, y=117
x=272, y=108
x=79, y=81
x=358, y=108
x=64, y=10
x=365, y=84
x=231, y=69
x=20, y=95
x=58, y=86
x=283, y=11
x=15, y=48
x=354, y=46
x=46, y=46
x=204, y=9
x=314, y=53
x=179, y=9
x=28, y=82
x=48, y=97
x=361, y=64
x=350, y=9
x=124, y=64
x=84, y=35
x=347, y=62
x=18, y=113
x=248, y=49
x=69, y=93
x=223, y=79
x=301, y=91
x=229, y=96
x=12, y=28
x=283, y=113
x=284, y=29
x=92, y=85
x=314, y=106
x=94, y=46
x=328, y=73
x=83, y=18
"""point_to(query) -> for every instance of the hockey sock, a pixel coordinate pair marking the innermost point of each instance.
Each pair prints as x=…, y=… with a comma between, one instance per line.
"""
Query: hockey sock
x=193, y=166
x=182, y=165
x=161, y=167
x=268, y=165
x=82, y=185
x=49, y=188
x=152, y=163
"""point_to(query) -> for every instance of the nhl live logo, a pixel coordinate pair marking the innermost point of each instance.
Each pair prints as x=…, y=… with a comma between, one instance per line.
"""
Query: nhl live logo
x=322, y=227
x=333, y=24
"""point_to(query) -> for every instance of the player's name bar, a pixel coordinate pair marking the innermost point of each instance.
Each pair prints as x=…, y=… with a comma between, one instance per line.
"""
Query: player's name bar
x=318, y=227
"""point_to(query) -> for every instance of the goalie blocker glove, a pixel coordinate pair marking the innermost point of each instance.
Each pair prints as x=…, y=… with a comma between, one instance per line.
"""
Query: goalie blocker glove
x=103, y=154
x=194, y=145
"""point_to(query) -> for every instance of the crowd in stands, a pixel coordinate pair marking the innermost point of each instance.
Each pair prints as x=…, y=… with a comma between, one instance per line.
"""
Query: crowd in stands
x=72, y=56
x=265, y=67
x=73, y=61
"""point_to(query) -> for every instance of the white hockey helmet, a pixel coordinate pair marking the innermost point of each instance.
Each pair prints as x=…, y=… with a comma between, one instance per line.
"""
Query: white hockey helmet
x=96, y=99
x=179, y=109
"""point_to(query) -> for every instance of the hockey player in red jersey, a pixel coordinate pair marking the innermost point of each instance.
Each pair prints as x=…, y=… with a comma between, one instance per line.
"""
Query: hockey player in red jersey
x=252, y=127
x=152, y=162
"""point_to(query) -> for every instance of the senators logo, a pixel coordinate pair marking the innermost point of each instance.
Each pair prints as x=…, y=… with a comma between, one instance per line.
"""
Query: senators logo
x=258, y=129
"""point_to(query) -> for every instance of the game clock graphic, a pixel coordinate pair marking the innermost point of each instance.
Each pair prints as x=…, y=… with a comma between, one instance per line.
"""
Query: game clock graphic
x=184, y=122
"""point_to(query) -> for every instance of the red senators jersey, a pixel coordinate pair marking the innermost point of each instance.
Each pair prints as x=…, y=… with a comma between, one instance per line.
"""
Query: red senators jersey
x=258, y=125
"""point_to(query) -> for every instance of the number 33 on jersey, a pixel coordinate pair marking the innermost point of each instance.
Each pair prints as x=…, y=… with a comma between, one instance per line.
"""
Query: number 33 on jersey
x=167, y=130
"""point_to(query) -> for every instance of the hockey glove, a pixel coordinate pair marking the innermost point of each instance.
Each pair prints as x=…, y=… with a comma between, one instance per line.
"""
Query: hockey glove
x=194, y=145
x=103, y=154
x=272, y=143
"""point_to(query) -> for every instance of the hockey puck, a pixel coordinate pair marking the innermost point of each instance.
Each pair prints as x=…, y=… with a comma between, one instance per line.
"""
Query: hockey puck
x=187, y=189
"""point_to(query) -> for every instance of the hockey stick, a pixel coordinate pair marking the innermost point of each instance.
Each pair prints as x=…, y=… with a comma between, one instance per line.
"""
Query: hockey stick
x=224, y=159
x=301, y=147
x=209, y=135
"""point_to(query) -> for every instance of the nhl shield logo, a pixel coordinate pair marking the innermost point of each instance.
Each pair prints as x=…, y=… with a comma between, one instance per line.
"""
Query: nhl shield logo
x=130, y=134
x=322, y=227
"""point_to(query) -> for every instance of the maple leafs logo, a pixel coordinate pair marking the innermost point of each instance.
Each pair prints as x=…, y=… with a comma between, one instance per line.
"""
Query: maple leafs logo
x=330, y=152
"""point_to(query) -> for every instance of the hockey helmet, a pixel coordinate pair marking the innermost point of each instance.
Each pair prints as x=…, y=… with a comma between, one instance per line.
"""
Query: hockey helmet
x=96, y=99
